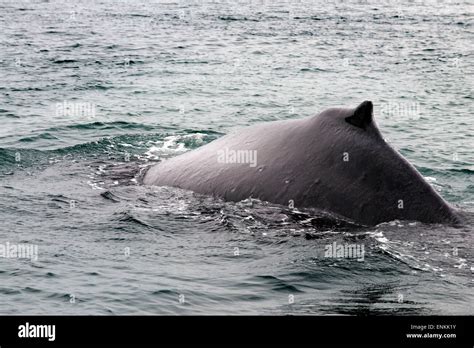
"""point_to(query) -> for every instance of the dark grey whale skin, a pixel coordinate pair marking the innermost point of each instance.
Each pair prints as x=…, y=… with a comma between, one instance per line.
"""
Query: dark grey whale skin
x=303, y=160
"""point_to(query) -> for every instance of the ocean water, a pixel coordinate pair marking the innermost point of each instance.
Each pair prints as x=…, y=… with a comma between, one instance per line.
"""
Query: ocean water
x=94, y=92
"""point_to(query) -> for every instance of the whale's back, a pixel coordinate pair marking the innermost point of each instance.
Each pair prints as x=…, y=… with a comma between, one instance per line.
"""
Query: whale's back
x=336, y=161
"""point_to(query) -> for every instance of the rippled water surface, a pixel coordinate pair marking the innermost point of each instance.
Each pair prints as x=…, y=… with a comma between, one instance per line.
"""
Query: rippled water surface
x=160, y=78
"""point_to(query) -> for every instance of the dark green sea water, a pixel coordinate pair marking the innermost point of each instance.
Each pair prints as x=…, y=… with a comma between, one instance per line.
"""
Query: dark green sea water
x=142, y=81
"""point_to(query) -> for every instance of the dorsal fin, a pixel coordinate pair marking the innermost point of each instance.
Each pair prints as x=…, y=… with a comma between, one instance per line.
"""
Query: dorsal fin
x=362, y=116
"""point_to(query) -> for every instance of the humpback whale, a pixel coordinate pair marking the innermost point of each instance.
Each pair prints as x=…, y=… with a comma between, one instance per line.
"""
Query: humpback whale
x=336, y=162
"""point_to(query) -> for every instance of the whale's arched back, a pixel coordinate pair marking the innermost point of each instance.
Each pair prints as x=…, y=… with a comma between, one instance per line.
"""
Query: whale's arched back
x=336, y=161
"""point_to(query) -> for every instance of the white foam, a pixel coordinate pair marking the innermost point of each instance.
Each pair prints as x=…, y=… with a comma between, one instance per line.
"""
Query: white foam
x=173, y=144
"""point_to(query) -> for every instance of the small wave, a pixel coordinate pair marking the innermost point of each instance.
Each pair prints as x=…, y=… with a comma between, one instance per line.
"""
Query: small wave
x=276, y=284
x=129, y=218
x=110, y=196
x=237, y=19
x=462, y=170
x=42, y=136
x=31, y=290
x=313, y=70
x=64, y=61
x=107, y=125
x=9, y=291
x=20, y=157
